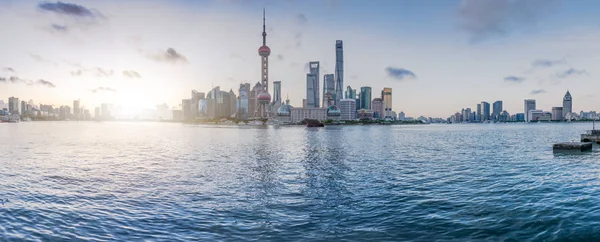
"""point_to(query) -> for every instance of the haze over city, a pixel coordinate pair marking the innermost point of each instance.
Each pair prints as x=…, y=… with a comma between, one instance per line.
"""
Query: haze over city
x=438, y=58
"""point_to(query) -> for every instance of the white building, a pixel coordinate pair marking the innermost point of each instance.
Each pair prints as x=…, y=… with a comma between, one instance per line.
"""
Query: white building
x=299, y=114
x=348, y=109
x=538, y=115
x=529, y=105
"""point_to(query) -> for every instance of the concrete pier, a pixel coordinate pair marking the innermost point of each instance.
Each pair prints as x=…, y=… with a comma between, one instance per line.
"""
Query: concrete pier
x=572, y=146
x=591, y=136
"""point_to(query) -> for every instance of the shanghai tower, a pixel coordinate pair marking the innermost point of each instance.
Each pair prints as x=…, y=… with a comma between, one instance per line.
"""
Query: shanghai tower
x=339, y=71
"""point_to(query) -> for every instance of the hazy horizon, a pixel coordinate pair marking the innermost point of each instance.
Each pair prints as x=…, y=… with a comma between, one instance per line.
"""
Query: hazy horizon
x=139, y=54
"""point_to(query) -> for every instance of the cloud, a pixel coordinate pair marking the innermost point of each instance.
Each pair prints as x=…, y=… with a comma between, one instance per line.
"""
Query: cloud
x=59, y=28
x=16, y=79
x=9, y=69
x=482, y=19
x=546, y=63
x=45, y=83
x=280, y=57
x=38, y=58
x=170, y=56
x=301, y=19
x=103, y=89
x=571, y=72
x=538, y=91
x=298, y=39
x=103, y=73
x=131, y=74
x=68, y=9
x=514, y=79
x=399, y=73
x=77, y=72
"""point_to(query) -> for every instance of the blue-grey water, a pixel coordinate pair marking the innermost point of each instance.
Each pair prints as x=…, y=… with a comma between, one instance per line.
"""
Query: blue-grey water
x=174, y=182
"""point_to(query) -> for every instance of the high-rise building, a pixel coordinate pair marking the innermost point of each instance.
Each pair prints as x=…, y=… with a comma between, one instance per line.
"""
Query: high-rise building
x=312, y=85
x=496, y=110
x=263, y=97
x=339, y=70
x=386, y=95
x=187, y=109
x=567, y=104
x=479, y=112
x=23, y=108
x=529, y=105
x=557, y=113
x=243, y=101
x=328, y=89
x=97, y=113
x=485, y=109
x=365, y=98
x=348, y=109
x=13, y=105
x=377, y=107
x=277, y=92
x=350, y=93
x=76, y=109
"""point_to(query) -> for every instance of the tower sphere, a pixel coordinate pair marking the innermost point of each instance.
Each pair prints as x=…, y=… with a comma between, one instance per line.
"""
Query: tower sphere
x=264, y=51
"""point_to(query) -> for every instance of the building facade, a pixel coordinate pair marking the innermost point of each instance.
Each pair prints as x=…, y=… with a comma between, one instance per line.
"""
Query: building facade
x=386, y=95
x=496, y=110
x=365, y=98
x=557, y=113
x=348, y=109
x=328, y=90
x=13, y=105
x=377, y=107
x=567, y=104
x=485, y=111
x=312, y=85
x=529, y=105
x=299, y=114
x=339, y=70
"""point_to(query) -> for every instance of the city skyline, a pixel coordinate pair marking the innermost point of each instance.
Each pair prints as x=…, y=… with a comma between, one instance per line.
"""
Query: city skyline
x=103, y=54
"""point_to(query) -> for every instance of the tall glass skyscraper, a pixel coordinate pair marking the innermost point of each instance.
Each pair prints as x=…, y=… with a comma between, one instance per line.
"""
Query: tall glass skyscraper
x=485, y=108
x=365, y=98
x=496, y=110
x=277, y=92
x=312, y=85
x=328, y=89
x=339, y=70
x=386, y=96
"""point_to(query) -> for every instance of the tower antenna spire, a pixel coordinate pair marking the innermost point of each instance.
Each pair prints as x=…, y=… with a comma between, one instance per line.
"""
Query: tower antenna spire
x=264, y=33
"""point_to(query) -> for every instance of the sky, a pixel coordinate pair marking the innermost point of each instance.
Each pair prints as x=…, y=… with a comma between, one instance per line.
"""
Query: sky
x=438, y=56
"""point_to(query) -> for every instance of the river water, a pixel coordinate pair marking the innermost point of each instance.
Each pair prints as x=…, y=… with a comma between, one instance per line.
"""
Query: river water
x=176, y=182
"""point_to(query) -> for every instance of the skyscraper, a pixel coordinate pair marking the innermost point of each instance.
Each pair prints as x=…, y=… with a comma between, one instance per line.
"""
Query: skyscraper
x=23, y=107
x=365, y=98
x=567, y=104
x=263, y=97
x=312, y=85
x=339, y=70
x=485, y=108
x=277, y=92
x=478, y=116
x=347, y=109
x=386, y=95
x=529, y=105
x=13, y=105
x=377, y=107
x=348, y=94
x=328, y=89
x=76, y=109
x=496, y=110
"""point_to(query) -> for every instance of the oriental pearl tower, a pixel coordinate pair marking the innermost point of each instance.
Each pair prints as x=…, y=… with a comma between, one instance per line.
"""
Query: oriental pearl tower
x=263, y=96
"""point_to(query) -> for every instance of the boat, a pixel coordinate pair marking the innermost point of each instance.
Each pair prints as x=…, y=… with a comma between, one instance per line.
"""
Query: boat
x=312, y=125
x=255, y=123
